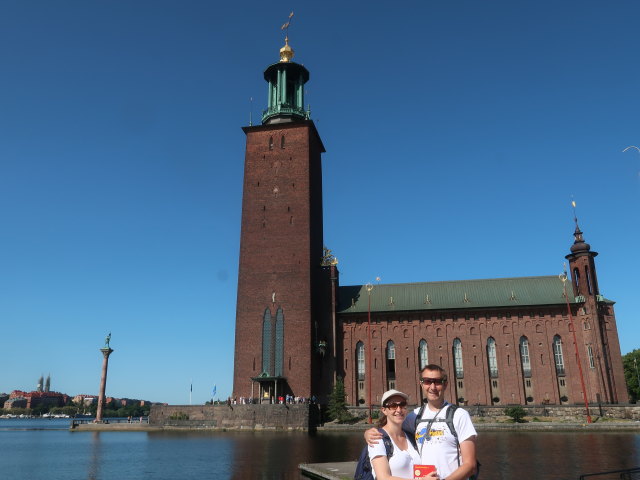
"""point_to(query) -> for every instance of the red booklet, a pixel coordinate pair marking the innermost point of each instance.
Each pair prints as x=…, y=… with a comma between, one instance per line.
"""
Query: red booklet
x=421, y=471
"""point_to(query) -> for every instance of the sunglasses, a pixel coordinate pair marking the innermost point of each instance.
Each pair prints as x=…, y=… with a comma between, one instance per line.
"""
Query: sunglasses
x=429, y=381
x=395, y=405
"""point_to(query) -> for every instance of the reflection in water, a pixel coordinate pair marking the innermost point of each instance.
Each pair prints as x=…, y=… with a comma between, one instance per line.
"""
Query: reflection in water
x=504, y=455
x=94, y=463
x=554, y=455
x=46, y=454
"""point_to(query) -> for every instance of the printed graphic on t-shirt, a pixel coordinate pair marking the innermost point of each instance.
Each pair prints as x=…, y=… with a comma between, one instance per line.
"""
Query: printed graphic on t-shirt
x=436, y=435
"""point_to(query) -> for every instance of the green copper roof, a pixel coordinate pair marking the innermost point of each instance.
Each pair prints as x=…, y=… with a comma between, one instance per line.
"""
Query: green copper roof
x=462, y=294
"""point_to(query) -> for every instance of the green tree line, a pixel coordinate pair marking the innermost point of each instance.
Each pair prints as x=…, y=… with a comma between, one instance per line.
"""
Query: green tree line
x=631, y=364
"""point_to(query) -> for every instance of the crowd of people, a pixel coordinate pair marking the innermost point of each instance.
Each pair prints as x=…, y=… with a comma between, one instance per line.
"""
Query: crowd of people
x=281, y=399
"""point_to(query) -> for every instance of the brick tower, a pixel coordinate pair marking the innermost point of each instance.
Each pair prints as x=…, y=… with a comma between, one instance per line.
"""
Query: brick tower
x=596, y=329
x=280, y=279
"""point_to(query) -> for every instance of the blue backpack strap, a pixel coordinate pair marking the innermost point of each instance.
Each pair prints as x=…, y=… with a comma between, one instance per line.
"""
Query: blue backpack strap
x=388, y=445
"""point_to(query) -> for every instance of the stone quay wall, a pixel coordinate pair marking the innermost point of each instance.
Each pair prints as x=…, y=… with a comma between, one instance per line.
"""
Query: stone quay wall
x=568, y=412
x=236, y=417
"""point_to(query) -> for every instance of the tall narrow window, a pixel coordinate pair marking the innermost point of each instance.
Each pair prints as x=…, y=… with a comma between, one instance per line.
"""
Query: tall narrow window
x=592, y=363
x=267, y=335
x=279, y=343
x=423, y=354
x=282, y=142
x=391, y=365
x=524, y=357
x=360, y=371
x=270, y=143
x=360, y=360
x=576, y=279
x=557, y=354
x=491, y=355
x=587, y=275
x=457, y=358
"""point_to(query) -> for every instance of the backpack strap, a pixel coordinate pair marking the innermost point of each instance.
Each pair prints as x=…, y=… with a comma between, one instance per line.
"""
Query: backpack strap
x=386, y=440
x=449, y=421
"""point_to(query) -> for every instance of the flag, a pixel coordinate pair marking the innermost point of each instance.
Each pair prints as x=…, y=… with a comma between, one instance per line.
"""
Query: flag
x=191, y=387
x=213, y=392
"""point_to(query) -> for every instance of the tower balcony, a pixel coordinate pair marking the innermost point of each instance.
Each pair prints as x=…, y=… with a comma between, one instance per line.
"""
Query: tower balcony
x=285, y=112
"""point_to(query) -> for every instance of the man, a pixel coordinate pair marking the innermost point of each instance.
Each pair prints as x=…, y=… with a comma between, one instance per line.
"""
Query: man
x=434, y=441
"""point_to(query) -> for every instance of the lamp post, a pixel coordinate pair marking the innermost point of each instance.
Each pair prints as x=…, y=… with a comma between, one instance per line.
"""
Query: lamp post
x=369, y=287
x=563, y=277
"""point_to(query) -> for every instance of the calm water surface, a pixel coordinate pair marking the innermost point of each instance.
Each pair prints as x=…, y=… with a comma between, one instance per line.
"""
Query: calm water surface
x=45, y=450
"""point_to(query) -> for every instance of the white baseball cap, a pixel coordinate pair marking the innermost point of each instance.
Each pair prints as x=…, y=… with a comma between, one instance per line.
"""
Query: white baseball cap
x=390, y=393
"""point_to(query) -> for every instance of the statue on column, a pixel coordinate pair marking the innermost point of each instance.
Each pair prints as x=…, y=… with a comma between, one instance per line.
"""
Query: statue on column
x=107, y=340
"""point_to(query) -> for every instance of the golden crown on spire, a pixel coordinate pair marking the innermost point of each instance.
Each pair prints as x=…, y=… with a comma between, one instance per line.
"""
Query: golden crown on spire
x=286, y=52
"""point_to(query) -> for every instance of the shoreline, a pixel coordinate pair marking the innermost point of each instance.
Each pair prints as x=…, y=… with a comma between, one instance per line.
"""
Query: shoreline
x=480, y=427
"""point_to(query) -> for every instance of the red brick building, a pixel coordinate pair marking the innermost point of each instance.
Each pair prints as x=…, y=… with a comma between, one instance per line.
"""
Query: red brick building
x=20, y=399
x=503, y=341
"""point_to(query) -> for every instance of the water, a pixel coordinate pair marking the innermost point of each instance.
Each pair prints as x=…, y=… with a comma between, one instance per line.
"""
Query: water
x=45, y=449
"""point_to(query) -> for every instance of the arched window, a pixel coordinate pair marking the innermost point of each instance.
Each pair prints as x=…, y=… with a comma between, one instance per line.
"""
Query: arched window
x=282, y=141
x=423, y=354
x=557, y=354
x=525, y=359
x=360, y=371
x=270, y=143
x=360, y=360
x=587, y=275
x=279, y=343
x=457, y=358
x=576, y=279
x=391, y=365
x=491, y=355
x=267, y=335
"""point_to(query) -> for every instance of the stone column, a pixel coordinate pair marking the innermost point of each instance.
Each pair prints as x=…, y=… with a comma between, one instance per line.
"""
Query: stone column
x=103, y=382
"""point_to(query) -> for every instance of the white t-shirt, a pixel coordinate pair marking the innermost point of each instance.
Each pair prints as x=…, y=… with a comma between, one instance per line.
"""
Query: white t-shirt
x=400, y=463
x=439, y=448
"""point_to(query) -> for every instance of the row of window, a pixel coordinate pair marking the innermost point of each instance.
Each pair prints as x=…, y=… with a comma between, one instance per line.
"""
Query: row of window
x=423, y=357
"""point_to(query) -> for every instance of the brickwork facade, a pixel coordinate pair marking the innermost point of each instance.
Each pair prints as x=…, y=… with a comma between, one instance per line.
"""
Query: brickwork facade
x=294, y=337
x=511, y=383
x=280, y=276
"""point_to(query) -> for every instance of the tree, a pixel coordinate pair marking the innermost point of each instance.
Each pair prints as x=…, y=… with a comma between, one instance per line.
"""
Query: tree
x=337, y=408
x=517, y=413
x=631, y=365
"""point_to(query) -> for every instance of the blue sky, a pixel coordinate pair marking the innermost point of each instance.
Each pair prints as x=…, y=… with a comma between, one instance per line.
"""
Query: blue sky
x=456, y=135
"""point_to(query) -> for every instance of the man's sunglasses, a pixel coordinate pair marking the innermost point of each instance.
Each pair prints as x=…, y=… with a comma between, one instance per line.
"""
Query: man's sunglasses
x=429, y=381
x=395, y=405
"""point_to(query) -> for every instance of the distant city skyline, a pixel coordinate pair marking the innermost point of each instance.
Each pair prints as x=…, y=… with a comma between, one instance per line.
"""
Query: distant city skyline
x=450, y=129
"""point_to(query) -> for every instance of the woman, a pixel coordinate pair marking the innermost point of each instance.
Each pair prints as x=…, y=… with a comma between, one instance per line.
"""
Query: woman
x=400, y=464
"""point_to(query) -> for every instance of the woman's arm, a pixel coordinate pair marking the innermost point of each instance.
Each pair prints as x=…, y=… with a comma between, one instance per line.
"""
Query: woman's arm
x=380, y=465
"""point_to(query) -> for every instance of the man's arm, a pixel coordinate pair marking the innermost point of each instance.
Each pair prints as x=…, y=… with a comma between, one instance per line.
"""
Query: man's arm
x=372, y=436
x=468, y=465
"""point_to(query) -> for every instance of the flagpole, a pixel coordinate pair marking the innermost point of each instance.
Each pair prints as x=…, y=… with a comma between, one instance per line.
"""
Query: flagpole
x=190, y=391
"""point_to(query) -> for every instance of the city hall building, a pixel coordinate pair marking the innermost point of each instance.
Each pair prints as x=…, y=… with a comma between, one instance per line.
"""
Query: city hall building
x=521, y=340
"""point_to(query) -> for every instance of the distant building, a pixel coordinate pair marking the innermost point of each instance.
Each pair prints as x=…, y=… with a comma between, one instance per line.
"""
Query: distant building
x=502, y=341
x=35, y=398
